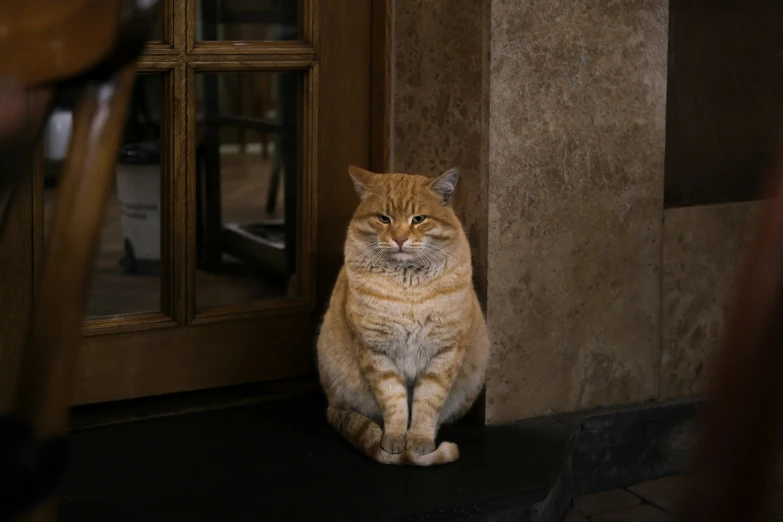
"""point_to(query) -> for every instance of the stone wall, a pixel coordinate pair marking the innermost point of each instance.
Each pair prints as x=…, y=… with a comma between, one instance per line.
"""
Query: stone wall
x=556, y=114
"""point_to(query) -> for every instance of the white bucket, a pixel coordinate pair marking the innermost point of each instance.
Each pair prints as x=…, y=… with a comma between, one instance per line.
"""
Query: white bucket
x=57, y=135
x=138, y=191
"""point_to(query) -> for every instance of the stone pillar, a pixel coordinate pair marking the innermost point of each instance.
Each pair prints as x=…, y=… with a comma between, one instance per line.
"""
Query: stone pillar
x=437, y=104
x=577, y=106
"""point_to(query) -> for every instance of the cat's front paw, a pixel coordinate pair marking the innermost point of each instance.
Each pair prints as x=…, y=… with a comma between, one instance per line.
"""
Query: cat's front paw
x=420, y=444
x=393, y=443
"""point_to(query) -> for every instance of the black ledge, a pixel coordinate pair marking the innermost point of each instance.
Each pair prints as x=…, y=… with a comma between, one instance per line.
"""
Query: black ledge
x=279, y=460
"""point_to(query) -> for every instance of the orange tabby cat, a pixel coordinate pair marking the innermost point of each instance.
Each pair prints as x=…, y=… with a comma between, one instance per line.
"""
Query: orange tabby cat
x=404, y=340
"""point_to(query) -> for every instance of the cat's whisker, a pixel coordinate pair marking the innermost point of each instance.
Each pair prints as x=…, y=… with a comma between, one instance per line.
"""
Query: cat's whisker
x=370, y=248
x=371, y=253
x=377, y=256
x=437, y=248
x=440, y=252
x=430, y=254
x=426, y=256
x=433, y=261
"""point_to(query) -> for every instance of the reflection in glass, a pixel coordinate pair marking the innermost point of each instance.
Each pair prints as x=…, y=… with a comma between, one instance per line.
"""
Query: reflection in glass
x=156, y=35
x=126, y=275
x=247, y=20
x=247, y=171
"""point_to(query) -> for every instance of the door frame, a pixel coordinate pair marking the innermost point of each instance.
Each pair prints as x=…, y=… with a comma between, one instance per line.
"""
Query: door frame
x=345, y=53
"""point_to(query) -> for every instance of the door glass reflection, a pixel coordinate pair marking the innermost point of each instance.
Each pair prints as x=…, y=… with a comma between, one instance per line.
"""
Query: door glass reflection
x=247, y=20
x=126, y=275
x=247, y=170
x=156, y=35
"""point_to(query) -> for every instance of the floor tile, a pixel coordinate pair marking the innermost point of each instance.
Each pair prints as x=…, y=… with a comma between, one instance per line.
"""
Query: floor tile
x=640, y=513
x=664, y=493
x=572, y=516
x=611, y=500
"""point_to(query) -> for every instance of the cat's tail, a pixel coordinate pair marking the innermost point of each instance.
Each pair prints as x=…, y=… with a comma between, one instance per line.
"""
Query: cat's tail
x=365, y=435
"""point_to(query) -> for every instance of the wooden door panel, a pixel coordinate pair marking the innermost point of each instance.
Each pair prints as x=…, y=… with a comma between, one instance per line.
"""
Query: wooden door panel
x=344, y=126
x=176, y=359
x=242, y=344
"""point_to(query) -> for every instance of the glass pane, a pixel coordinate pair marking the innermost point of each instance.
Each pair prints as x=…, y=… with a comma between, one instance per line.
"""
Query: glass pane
x=247, y=171
x=126, y=275
x=157, y=31
x=247, y=20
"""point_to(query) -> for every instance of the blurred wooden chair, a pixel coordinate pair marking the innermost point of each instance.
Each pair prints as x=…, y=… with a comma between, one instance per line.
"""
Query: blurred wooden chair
x=45, y=46
x=737, y=455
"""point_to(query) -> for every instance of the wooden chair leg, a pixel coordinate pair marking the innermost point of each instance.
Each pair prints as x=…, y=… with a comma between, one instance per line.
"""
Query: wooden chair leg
x=51, y=350
x=18, y=136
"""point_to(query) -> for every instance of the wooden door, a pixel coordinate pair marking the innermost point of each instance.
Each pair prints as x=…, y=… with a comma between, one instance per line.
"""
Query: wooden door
x=231, y=198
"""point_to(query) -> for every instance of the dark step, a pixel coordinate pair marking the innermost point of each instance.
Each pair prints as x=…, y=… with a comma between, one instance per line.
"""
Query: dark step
x=280, y=461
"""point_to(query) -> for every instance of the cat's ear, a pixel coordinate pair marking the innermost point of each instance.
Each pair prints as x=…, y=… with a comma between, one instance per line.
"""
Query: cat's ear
x=444, y=185
x=361, y=178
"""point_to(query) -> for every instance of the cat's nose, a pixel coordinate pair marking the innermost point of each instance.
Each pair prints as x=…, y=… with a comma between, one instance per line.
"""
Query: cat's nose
x=400, y=240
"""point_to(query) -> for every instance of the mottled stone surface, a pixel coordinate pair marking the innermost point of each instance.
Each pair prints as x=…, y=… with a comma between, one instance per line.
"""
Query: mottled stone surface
x=634, y=444
x=617, y=446
x=702, y=247
x=577, y=103
x=437, y=104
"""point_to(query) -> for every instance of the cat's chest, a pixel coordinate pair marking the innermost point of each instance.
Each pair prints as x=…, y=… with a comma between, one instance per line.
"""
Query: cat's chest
x=409, y=335
x=402, y=328
x=411, y=343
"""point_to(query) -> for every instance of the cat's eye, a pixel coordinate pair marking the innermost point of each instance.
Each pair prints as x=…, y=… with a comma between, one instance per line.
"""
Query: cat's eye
x=418, y=219
x=384, y=219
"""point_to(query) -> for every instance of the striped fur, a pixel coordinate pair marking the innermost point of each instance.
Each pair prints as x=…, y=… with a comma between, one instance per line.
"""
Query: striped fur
x=403, y=343
x=365, y=435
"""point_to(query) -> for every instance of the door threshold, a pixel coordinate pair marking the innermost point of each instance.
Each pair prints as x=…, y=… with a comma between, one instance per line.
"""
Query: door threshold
x=134, y=410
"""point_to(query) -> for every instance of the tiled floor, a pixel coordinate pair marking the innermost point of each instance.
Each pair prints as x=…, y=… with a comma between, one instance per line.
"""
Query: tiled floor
x=654, y=501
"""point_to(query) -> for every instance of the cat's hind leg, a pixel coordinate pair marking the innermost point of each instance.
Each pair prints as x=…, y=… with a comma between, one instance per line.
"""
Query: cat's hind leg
x=468, y=384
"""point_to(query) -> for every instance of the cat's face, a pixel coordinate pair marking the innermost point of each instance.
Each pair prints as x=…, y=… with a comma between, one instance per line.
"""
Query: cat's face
x=403, y=219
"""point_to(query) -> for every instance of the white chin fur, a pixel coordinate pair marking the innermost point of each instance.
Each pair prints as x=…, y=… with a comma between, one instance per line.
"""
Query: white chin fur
x=402, y=256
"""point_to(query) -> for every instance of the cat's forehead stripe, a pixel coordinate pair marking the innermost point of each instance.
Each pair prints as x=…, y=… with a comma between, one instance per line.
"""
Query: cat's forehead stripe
x=400, y=193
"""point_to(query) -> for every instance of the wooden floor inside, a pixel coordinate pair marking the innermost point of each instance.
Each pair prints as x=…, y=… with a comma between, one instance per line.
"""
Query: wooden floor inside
x=245, y=184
